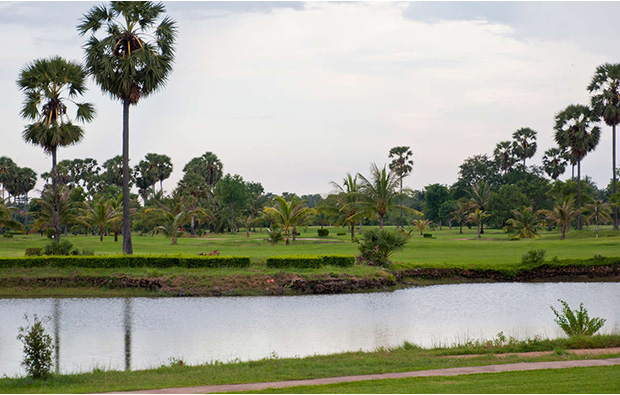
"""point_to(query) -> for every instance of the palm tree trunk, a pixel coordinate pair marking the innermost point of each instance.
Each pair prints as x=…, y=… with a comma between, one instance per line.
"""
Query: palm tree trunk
x=352, y=231
x=460, y=228
x=127, y=246
x=232, y=217
x=55, y=220
x=359, y=230
x=294, y=232
x=479, y=226
x=579, y=195
x=193, y=225
x=615, y=176
x=381, y=222
x=161, y=186
x=287, y=236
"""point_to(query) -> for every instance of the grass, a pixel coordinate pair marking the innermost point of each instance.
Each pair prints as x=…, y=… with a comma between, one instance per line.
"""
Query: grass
x=405, y=358
x=587, y=380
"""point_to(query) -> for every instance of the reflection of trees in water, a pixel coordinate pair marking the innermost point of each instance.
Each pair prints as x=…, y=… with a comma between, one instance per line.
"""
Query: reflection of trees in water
x=57, y=334
x=127, y=327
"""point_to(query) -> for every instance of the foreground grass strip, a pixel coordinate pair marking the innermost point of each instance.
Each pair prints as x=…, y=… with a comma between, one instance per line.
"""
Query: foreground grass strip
x=603, y=379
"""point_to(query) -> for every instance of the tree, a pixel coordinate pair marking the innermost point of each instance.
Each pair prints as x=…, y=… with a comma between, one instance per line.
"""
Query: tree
x=477, y=217
x=480, y=197
x=99, y=214
x=7, y=170
x=288, y=214
x=504, y=156
x=208, y=166
x=6, y=219
x=435, y=195
x=599, y=212
x=562, y=215
x=171, y=215
x=461, y=214
x=575, y=133
x=421, y=224
x=524, y=223
x=502, y=202
x=347, y=202
x=605, y=90
x=524, y=144
x=379, y=192
x=66, y=212
x=23, y=181
x=402, y=166
x=554, y=162
x=232, y=192
x=127, y=66
x=48, y=85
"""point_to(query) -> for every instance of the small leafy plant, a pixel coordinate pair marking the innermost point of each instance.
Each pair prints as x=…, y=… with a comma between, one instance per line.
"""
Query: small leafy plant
x=38, y=349
x=534, y=257
x=376, y=246
x=63, y=247
x=322, y=232
x=577, y=322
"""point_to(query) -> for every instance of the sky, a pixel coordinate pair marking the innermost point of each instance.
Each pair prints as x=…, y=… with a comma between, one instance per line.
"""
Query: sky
x=294, y=95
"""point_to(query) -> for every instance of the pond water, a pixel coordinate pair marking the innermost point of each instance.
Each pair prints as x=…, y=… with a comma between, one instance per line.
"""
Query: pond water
x=139, y=333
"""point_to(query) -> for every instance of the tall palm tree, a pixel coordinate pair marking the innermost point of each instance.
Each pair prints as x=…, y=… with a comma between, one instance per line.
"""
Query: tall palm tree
x=554, y=162
x=7, y=169
x=480, y=197
x=573, y=131
x=562, y=215
x=49, y=85
x=402, y=164
x=379, y=193
x=131, y=60
x=524, y=223
x=504, y=156
x=605, y=90
x=599, y=212
x=524, y=144
x=288, y=214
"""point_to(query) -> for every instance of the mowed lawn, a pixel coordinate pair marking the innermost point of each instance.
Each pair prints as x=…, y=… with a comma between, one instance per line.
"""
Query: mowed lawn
x=446, y=246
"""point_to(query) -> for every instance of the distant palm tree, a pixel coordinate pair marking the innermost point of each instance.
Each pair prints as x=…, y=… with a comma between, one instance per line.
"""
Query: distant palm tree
x=7, y=169
x=402, y=166
x=480, y=197
x=288, y=214
x=575, y=133
x=605, y=90
x=554, y=162
x=49, y=84
x=477, y=217
x=562, y=215
x=599, y=212
x=171, y=215
x=524, y=223
x=127, y=66
x=504, y=156
x=379, y=193
x=347, y=203
x=99, y=214
x=460, y=214
x=421, y=224
x=66, y=213
x=6, y=219
x=524, y=145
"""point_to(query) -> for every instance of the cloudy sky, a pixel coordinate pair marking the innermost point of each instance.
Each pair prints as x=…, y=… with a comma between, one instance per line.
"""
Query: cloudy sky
x=295, y=95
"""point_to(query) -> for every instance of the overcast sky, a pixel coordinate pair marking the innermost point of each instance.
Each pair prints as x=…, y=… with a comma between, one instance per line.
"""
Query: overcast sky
x=295, y=95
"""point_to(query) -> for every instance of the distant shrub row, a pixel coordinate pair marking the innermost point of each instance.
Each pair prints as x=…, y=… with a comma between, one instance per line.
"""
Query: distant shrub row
x=310, y=261
x=102, y=261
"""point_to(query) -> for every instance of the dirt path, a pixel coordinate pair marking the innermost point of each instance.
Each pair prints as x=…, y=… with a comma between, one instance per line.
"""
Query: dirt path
x=513, y=367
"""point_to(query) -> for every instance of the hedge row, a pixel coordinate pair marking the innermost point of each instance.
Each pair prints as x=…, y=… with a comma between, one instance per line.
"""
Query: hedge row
x=157, y=261
x=310, y=261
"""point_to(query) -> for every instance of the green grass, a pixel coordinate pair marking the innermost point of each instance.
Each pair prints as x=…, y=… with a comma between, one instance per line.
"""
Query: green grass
x=405, y=358
x=587, y=380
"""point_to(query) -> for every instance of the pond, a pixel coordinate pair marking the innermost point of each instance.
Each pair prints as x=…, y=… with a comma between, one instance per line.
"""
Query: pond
x=140, y=333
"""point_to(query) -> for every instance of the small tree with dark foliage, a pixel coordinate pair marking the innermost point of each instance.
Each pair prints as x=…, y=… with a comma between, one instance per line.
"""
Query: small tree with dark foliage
x=38, y=349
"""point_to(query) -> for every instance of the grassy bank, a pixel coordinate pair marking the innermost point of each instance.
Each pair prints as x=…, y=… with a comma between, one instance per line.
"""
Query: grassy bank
x=405, y=358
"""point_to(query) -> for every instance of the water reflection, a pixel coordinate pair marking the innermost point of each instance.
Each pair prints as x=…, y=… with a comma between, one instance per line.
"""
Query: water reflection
x=139, y=333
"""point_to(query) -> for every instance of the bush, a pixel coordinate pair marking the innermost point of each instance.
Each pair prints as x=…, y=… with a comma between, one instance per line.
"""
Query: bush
x=534, y=257
x=62, y=247
x=49, y=233
x=112, y=261
x=300, y=261
x=341, y=233
x=34, y=251
x=275, y=235
x=577, y=323
x=322, y=232
x=87, y=251
x=38, y=349
x=427, y=235
x=7, y=236
x=338, y=260
x=376, y=246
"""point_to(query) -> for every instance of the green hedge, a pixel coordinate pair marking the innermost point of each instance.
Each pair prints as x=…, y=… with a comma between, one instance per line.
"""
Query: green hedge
x=310, y=261
x=112, y=261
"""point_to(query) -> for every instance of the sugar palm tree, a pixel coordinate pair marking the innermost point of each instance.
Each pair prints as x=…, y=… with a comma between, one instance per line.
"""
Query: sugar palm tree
x=7, y=170
x=562, y=215
x=524, y=144
x=379, y=193
x=525, y=223
x=288, y=214
x=504, y=156
x=605, y=90
x=402, y=164
x=477, y=217
x=554, y=162
x=599, y=212
x=131, y=59
x=573, y=132
x=49, y=85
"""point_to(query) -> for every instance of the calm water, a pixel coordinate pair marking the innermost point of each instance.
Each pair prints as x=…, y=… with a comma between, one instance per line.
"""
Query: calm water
x=139, y=333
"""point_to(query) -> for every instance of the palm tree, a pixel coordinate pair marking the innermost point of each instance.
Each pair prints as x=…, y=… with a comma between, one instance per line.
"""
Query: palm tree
x=379, y=194
x=605, y=87
x=554, y=162
x=525, y=224
x=7, y=169
x=347, y=202
x=480, y=197
x=504, y=156
x=421, y=224
x=6, y=219
x=171, y=215
x=127, y=66
x=66, y=213
x=288, y=214
x=599, y=212
x=524, y=144
x=477, y=217
x=402, y=166
x=460, y=214
x=100, y=214
x=48, y=85
x=574, y=133
x=562, y=215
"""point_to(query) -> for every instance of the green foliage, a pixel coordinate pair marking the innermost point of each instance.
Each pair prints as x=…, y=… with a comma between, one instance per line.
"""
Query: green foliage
x=63, y=247
x=34, y=251
x=299, y=261
x=111, y=261
x=275, y=234
x=38, y=349
x=427, y=235
x=341, y=233
x=534, y=257
x=376, y=246
x=577, y=322
x=322, y=232
x=338, y=260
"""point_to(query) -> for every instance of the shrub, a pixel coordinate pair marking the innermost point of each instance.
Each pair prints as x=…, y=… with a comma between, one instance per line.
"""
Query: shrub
x=338, y=260
x=534, y=257
x=63, y=247
x=577, y=323
x=300, y=261
x=341, y=234
x=427, y=235
x=376, y=246
x=275, y=235
x=49, y=233
x=112, y=261
x=34, y=251
x=38, y=349
x=322, y=232
x=87, y=251
x=7, y=236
